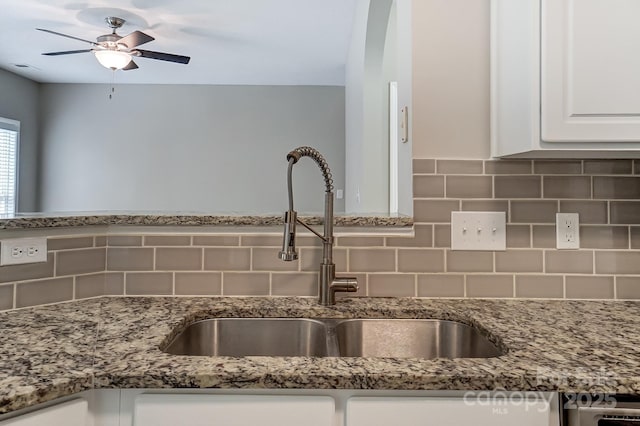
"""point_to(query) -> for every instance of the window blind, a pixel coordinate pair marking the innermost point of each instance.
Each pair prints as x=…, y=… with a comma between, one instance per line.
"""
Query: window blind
x=9, y=133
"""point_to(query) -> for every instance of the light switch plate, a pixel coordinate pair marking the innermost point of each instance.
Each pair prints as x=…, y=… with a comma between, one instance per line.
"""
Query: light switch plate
x=479, y=231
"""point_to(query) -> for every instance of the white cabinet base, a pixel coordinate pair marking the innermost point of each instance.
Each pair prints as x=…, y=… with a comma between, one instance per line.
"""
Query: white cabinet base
x=237, y=410
x=279, y=407
x=282, y=407
x=70, y=413
x=497, y=411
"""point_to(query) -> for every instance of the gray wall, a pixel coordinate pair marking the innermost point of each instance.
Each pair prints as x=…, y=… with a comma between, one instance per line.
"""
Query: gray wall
x=19, y=101
x=451, y=78
x=187, y=148
x=380, y=52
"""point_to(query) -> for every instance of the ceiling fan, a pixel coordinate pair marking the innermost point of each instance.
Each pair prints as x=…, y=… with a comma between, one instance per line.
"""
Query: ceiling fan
x=116, y=52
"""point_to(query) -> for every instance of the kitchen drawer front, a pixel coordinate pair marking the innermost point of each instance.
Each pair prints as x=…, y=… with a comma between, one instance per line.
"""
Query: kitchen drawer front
x=72, y=413
x=443, y=411
x=237, y=410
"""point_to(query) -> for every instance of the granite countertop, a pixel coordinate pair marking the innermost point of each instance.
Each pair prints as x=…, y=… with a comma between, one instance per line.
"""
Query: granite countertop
x=569, y=346
x=65, y=221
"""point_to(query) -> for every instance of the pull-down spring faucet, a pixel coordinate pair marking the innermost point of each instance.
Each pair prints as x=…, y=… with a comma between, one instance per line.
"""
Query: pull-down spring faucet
x=329, y=284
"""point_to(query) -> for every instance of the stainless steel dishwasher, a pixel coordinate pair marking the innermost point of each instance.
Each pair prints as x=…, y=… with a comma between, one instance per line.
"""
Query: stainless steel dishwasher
x=611, y=410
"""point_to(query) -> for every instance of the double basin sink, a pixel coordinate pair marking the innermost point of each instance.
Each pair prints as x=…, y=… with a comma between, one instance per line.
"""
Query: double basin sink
x=395, y=338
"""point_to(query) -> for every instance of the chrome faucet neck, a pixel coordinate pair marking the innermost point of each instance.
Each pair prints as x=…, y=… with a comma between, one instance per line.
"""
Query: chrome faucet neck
x=329, y=284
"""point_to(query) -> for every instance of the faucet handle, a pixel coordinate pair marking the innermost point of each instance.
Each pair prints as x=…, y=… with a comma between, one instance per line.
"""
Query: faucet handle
x=342, y=285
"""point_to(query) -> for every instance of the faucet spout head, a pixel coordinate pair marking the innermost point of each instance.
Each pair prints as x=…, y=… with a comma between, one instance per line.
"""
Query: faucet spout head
x=288, y=252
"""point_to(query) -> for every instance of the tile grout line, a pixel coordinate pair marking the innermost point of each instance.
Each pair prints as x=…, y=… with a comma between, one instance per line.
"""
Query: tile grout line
x=465, y=293
x=396, y=260
x=366, y=279
x=73, y=288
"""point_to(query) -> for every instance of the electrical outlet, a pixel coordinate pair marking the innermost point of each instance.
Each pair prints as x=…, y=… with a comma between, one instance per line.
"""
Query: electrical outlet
x=17, y=251
x=567, y=231
x=481, y=231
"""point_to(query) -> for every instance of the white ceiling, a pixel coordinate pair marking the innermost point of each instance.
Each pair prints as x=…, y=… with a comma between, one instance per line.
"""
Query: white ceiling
x=270, y=42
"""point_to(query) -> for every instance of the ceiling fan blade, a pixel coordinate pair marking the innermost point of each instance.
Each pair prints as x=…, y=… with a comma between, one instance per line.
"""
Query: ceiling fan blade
x=136, y=38
x=130, y=66
x=163, y=56
x=67, y=52
x=93, y=43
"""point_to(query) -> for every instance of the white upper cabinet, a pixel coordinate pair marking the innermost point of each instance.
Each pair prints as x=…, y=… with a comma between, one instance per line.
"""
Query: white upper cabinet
x=591, y=70
x=565, y=78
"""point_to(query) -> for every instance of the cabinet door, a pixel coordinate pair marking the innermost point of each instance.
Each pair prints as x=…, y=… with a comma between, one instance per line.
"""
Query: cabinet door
x=232, y=410
x=72, y=413
x=590, y=71
x=381, y=411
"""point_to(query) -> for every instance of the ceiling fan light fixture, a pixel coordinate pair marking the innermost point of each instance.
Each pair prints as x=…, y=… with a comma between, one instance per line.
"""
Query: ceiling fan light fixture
x=113, y=59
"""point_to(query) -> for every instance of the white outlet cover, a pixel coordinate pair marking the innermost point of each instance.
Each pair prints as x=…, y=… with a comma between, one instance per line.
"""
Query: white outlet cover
x=567, y=231
x=478, y=231
x=31, y=250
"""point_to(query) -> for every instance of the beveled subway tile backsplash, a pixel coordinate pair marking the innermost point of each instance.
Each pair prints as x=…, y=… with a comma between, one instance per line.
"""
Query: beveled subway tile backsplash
x=469, y=187
x=148, y=283
x=15, y=273
x=557, y=167
x=130, y=259
x=603, y=192
x=540, y=286
x=198, y=283
x=44, y=291
x=591, y=212
x=517, y=187
x=6, y=296
x=70, y=243
x=440, y=285
x=167, y=240
x=74, y=262
x=490, y=286
x=609, y=167
x=571, y=187
x=87, y=286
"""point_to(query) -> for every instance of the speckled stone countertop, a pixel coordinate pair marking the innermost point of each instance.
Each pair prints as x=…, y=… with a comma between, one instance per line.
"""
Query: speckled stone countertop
x=571, y=346
x=65, y=221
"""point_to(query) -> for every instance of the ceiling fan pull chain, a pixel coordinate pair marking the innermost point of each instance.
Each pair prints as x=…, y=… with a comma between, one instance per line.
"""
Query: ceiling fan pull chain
x=113, y=82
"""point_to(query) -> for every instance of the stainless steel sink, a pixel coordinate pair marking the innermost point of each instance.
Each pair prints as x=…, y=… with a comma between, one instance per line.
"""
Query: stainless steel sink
x=396, y=338
x=412, y=338
x=252, y=337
